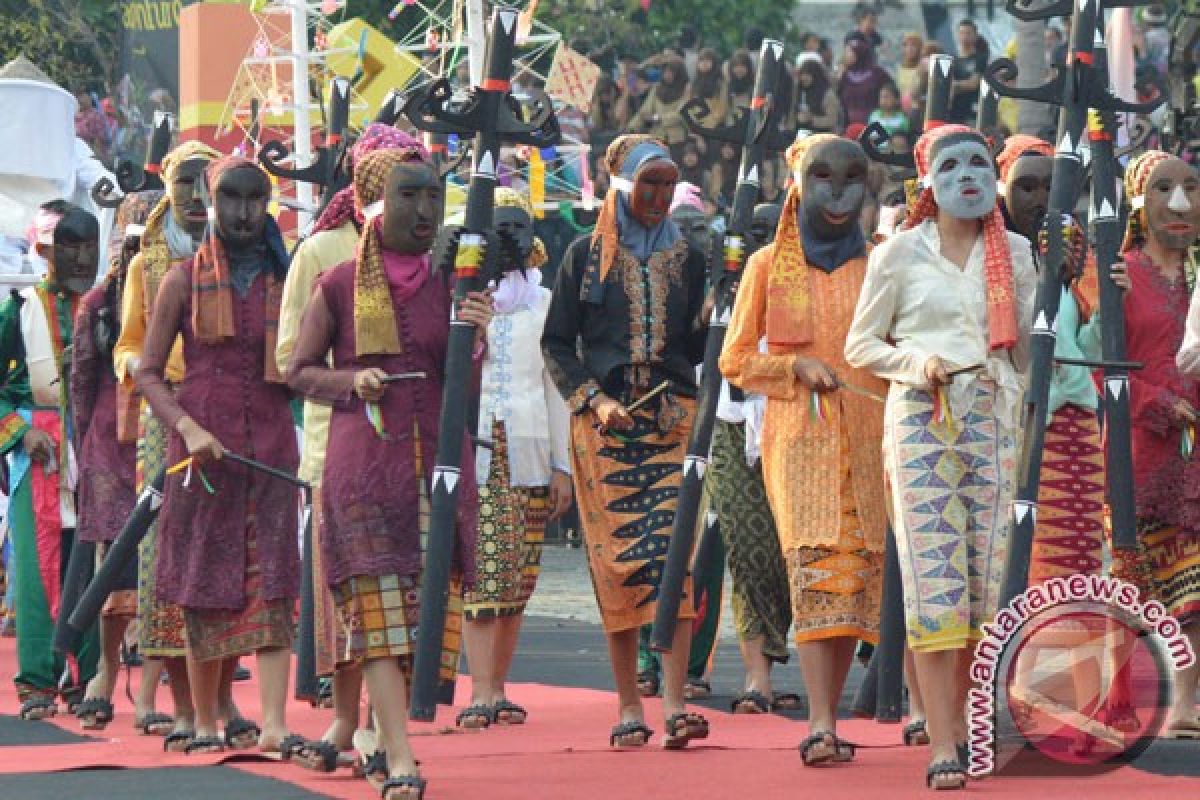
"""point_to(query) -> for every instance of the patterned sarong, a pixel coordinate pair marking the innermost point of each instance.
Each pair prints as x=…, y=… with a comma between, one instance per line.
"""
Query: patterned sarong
x=761, y=598
x=952, y=484
x=1069, y=538
x=626, y=486
x=162, y=629
x=1165, y=567
x=508, y=546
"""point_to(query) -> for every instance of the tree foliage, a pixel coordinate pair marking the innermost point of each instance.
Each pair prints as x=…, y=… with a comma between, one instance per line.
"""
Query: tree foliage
x=75, y=42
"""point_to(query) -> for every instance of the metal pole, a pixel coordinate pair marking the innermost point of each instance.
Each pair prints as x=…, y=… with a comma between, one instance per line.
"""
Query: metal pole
x=301, y=105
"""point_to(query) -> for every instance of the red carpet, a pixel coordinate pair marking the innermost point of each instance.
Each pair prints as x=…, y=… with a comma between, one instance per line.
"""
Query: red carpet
x=563, y=753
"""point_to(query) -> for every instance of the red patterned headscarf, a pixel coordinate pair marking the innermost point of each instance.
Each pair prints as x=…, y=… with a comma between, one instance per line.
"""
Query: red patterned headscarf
x=997, y=259
x=377, y=136
x=1018, y=145
x=1137, y=176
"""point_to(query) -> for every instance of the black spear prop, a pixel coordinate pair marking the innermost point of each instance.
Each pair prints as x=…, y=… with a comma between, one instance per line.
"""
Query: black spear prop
x=326, y=170
x=1077, y=87
x=757, y=131
x=987, y=113
x=131, y=177
x=881, y=693
x=124, y=547
x=391, y=109
x=492, y=115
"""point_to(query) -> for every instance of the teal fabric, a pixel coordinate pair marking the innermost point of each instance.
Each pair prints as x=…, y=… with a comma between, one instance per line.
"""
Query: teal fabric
x=1076, y=339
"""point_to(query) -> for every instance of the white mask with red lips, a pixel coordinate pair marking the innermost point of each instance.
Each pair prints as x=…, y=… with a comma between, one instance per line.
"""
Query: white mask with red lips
x=964, y=179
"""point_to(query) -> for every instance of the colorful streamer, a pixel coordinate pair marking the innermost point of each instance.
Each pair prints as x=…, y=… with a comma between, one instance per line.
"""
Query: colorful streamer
x=537, y=182
x=941, y=408
x=1187, y=441
x=818, y=408
x=375, y=417
x=187, y=465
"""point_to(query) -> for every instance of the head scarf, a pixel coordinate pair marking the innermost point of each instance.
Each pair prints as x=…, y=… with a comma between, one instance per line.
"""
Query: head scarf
x=132, y=214
x=41, y=228
x=688, y=195
x=187, y=151
x=864, y=62
x=375, y=328
x=518, y=290
x=1137, y=175
x=997, y=259
x=789, y=290
x=212, y=288
x=1018, y=145
x=377, y=136
x=615, y=227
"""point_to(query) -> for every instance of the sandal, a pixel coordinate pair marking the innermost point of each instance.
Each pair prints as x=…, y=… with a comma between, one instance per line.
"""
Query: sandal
x=241, y=733
x=916, y=734
x=750, y=701
x=291, y=745
x=845, y=750
x=403, y=782
x=788, y=701
x=73, y=697
x=178, y=737
x=155, y=724
x=647, y=684
x=945, y=769
x=38, y=707
x=696, y=689
x=319, y=756
x=629, y=728
x=694, y=727
x=476, y=717
x=94, y=713
x=205, y=744
x=375, y=769
x=516, y=714
x=831, y=750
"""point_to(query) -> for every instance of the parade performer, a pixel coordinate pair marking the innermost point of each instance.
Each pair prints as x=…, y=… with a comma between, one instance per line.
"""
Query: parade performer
x=630, y=297
x=385, y=317
x=762, y=607
x=106, y=464
x=36, y=332
x=524, y=477
x=227, y=536
x=820, y=444
x=333, y=241
x=1164, y=194
x=944, y=315
x=173, y=232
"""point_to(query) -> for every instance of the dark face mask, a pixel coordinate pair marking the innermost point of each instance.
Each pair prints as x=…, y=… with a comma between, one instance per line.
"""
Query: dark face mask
x=241, y=201
x=834, y=187
x=694, y=227
x=74, y=258
x=653, y=191
x=187, y=197
x=412, y=203
x=1028, y=193
x=763, y=224
x=516, y=228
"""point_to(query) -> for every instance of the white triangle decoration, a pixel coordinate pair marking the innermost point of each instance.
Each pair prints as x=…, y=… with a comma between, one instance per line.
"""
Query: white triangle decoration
x=710, y=519
x=1022, y=509
x=1042, y=325
x=508, y=19
x=1066, y=145
x=156, y=498
x=724, y=318
x=694, y=463
x=487, y=165
x=776, y=49
x=985, y=89
x=1116, y=386
x=447, y=477
x=752, y=176
x=342, y=87
x=944, y=63
x=1106, y=210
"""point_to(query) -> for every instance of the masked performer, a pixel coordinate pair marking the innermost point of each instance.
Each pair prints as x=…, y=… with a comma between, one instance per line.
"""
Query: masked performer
x=524, y=478
x=944, y=315
x=173, y=232
x=632, y=296
x=762, y=610
x=106, y=464
x=334, y=240
x=36, y=331
x=820, y=451
x=1164, y=193
x=383, y=314
x=227, y=535
x=688, y=214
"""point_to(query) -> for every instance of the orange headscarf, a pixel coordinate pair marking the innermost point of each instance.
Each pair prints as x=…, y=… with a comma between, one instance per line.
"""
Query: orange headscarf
x=1018, y=145
x=997, y=259
x=606, y=231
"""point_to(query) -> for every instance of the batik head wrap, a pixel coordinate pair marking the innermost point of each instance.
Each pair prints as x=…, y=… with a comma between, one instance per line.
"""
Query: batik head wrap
x=377, y=136
x=624, y=158
x=375, y=330
x=1137, y=176
x=997, y=259
x=212, y=287
x=511, y=198
x=789, y=293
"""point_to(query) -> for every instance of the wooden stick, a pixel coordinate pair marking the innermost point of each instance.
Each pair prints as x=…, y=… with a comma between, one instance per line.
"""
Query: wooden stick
x=641, y=401
x=402, y=376
x=850, y=387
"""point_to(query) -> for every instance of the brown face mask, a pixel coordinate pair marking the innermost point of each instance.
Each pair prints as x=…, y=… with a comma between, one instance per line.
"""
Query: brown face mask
x=1027, y=193
x=834, y=184
x=653, y=191
x=1172, y=207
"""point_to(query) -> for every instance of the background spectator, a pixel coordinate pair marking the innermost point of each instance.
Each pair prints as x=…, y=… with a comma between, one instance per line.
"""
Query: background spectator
x=889, y=114
x=861, y=79
x=908, y=73
x=967, y=71
x=740, y=77
x=817, y=106
x=660, y=114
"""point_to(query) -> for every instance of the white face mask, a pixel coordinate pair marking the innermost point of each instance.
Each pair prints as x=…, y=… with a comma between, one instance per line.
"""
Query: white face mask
x=964, y=180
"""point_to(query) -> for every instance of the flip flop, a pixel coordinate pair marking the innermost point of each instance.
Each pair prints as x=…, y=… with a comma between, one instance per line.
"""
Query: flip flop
x=237, y=729
x=812, y=741
x=94, y=713
x=471, y=716
x=629, y=728
x=940, y=768
x=788, y=701
x=696, y=689
x=153, y=724
x=39, y=707
x=404, y=782
x=694, y=727
x=205, y=744
x=512, y=710
x=750, y=701
x=178, y=737
x=916, y=734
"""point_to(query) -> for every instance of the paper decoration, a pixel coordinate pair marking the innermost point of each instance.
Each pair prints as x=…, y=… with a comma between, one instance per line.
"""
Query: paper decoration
x=537, y=182
x=588, y=188
x=330, y=6
x=572, y=79
x=525, y=22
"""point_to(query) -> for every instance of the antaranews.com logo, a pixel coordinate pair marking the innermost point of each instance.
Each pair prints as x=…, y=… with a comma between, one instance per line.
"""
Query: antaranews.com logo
x=1076, y=671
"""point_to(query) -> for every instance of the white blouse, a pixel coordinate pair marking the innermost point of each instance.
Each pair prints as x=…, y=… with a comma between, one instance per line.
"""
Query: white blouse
x=1188, y=358
x=915, y=304
x=517, y=390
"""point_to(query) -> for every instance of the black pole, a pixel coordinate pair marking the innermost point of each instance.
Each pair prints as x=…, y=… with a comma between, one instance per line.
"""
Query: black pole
x=1106, y=240
x=120, y=553
x=308, y=685
x=986, y=114
x=80, y=565
x=890, y=651
x=490, y=117
x=759, y=122
x=937, y=96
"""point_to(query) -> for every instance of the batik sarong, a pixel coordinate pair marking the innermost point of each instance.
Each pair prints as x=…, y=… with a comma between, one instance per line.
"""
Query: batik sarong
x=1069, y=538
